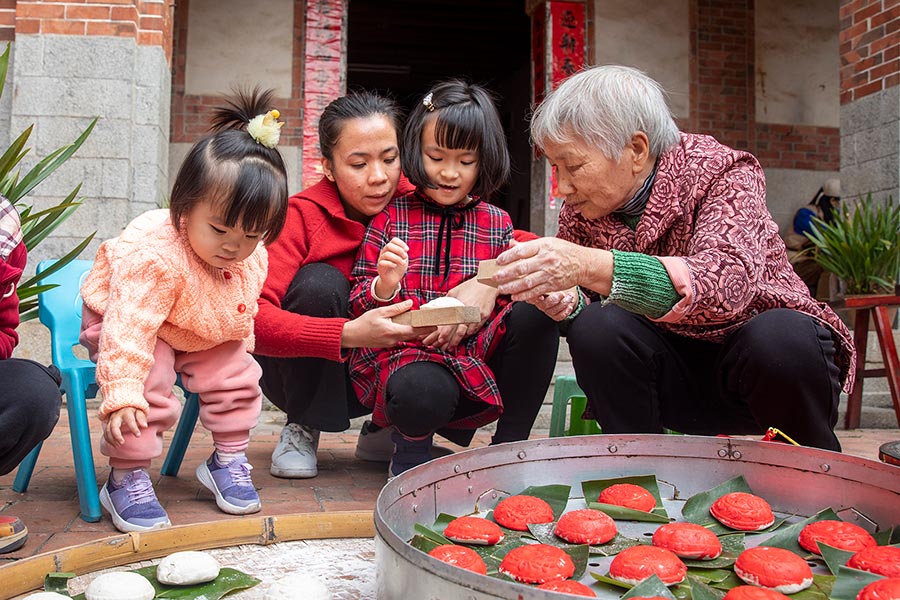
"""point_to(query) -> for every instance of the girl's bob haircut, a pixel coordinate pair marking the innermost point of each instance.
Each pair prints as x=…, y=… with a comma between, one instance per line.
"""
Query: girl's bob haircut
x=465, y=118
x=228, y=168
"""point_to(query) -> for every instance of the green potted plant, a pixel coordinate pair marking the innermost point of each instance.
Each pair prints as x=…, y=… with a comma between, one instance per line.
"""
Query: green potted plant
x=862, y=247
x=37, y=224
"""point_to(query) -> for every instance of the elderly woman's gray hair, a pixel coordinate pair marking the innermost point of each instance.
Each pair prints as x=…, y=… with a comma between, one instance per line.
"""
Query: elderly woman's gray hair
x=605, y=106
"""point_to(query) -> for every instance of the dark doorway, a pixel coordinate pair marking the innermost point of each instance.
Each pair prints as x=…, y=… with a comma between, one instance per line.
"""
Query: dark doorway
x=401, y=47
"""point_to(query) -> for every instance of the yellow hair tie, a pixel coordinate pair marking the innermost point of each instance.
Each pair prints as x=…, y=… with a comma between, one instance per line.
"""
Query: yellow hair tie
x=266, y=129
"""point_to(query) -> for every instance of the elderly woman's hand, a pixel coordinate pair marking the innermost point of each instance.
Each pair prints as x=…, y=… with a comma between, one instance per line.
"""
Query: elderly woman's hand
x=546, y=265
x=557, y=305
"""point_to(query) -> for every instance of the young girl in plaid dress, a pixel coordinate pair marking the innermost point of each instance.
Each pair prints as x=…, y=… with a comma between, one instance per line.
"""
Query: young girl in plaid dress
x=422, y=245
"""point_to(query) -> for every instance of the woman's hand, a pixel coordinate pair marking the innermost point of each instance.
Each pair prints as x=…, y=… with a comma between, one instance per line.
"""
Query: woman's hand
x=132, y=419
x=374, y=328
x=392, y=264
x=546, y=265
x=558, y=305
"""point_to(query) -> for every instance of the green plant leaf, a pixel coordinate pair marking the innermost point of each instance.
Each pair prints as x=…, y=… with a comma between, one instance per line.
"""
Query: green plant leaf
x=49, y=164
x=4, y=66
x=652, y=586
x=14, y=153
x=592, y=489
x=711, y=575
x=431, y=534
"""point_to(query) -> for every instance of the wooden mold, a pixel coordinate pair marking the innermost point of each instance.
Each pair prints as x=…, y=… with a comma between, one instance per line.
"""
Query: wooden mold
x=432, y=317
x=486, y=270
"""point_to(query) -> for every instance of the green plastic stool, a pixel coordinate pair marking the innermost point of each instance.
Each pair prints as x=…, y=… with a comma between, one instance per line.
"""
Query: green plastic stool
x=566, y=393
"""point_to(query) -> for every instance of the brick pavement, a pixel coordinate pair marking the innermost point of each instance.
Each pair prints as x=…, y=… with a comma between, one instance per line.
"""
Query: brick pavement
x=50, y=507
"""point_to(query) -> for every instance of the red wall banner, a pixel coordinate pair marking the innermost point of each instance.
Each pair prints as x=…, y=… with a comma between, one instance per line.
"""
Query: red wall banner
x=567, y=35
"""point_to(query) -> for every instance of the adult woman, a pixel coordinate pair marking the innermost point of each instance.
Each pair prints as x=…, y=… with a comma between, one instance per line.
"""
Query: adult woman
x=822, y=207
x=706, y=328
x=29, y=403
x=302, y=329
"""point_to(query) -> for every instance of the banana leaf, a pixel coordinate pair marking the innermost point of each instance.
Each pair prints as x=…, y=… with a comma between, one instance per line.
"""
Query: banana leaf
x=592, y=489
x=850, y=581
x=229, y=580
x=431, y=534
x=58, y=582
x=543, y=532
x=787, y=537
x=888, y=536
x=819, y=590
x=652, y=586
x=834, y=558
x=711, y=575
x=696, y=509
x=425, y=544
x=701, y=591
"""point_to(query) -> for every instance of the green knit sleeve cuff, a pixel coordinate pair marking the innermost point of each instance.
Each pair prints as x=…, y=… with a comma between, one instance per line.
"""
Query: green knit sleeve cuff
x=642, y=285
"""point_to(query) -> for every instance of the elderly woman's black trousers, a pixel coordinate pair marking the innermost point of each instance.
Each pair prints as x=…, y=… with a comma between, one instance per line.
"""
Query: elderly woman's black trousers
x=777, y=370
x=29, y=408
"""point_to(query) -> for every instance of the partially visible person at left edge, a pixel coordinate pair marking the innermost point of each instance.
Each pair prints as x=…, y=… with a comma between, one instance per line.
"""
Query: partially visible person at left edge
x=697, y=322
x=30, y=397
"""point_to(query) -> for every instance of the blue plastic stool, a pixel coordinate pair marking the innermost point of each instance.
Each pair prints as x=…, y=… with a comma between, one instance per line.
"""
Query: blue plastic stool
x=567, y=393
x=59, y=309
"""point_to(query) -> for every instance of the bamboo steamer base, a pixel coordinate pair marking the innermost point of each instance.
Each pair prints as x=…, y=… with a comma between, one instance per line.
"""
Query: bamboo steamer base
x=27, y=575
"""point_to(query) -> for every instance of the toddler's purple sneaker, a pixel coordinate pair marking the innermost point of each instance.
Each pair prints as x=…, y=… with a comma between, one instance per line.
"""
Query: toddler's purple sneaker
x=230, y=484
x=133, y=504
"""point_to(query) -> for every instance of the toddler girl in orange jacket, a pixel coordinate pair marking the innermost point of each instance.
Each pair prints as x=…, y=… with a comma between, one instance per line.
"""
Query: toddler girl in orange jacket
x=176, y=293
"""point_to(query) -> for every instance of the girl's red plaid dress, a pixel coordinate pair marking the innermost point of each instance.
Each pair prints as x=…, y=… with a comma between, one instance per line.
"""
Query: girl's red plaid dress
x=446, y=243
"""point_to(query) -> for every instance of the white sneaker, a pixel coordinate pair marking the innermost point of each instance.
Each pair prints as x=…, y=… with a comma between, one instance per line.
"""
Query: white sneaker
x=374, y=445
x=295, y=454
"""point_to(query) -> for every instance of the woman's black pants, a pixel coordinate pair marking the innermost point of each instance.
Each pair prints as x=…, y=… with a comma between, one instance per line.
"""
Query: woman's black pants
x=29, y=408
x=777, y=370
x=314, y=392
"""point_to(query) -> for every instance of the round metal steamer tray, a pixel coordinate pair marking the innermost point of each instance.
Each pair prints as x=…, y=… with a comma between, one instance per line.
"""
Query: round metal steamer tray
x=794, y=480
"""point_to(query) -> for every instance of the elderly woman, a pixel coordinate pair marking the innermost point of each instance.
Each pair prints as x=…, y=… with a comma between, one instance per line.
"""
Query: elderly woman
x=687, y=314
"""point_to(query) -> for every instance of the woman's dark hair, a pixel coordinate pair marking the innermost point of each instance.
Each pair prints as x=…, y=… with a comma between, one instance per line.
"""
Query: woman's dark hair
x=230, y=168
x=355, y=105
x=466, y=118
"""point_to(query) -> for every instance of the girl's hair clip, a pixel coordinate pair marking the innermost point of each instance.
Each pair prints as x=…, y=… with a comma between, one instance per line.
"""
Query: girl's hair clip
x=427, y=102
x=266, y=129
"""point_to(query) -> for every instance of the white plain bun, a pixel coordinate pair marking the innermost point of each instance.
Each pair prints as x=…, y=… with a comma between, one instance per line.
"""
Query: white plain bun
x=442, y=302
x=47, y=596
x=120, y=585
x=187, y=568
x=298, y=586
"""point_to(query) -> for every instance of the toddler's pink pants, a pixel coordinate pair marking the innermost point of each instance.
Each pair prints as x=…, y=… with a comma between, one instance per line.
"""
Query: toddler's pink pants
x=226, y=378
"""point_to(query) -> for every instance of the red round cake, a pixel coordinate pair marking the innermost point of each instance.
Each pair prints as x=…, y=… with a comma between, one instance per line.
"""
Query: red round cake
x=883, y=589
x=742, y=511
x=688, y=540
x=537, y=563
x=881, y=560
x=586, y=526
x=637, y=563
x=516, y=512
x=837, y=534
x=751, y=592
x=629, y=496
x=568, y=586
x=774, y=568
x=460, y=556
x=473, y=530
